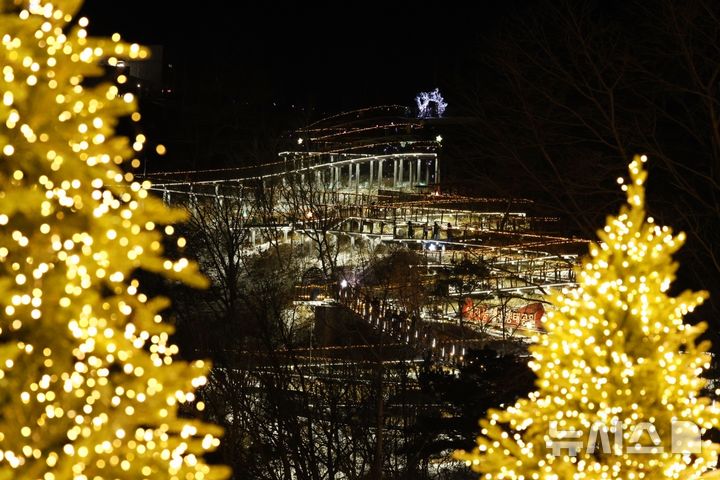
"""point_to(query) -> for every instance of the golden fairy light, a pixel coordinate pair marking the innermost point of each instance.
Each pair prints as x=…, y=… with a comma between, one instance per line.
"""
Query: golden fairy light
x=618, y=370
x=90, y=388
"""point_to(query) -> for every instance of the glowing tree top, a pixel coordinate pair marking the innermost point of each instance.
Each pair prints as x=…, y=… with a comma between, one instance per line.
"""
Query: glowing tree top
x=430, y=104
x=618, y=388
x=89, y=388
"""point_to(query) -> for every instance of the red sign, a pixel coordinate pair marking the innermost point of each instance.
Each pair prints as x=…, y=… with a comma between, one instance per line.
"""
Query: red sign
x=529, y=316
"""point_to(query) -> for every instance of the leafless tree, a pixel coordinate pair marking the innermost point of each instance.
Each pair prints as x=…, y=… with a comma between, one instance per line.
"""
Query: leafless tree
x=291, y=409
x=397, y=277
x=566, y=94
x=314, y=209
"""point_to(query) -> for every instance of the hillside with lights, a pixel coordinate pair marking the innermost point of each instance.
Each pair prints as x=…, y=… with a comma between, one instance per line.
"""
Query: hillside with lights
x=356, y=189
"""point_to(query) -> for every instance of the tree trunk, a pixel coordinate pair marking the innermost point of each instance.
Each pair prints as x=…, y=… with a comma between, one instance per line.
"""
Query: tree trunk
x=377, y=469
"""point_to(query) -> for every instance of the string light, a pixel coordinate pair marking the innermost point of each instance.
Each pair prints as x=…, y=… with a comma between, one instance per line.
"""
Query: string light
x=498, y=254
x=340, y=132
x=399, y=109
x=90, y=383
x=617, y=353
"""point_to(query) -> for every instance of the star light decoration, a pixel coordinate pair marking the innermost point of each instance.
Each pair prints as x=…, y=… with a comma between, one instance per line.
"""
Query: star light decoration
x=617, y=353
x=89, y=388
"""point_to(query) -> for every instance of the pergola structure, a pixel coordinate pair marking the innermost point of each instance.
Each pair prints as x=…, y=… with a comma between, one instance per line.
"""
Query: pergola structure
x=372, y=177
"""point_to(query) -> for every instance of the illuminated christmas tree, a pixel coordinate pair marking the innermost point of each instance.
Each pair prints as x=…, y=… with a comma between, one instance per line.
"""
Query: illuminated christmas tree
x=88, y=385
x=618, y=388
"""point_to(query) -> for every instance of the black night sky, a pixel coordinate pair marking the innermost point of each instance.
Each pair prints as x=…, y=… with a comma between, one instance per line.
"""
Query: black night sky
x=326, y=55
